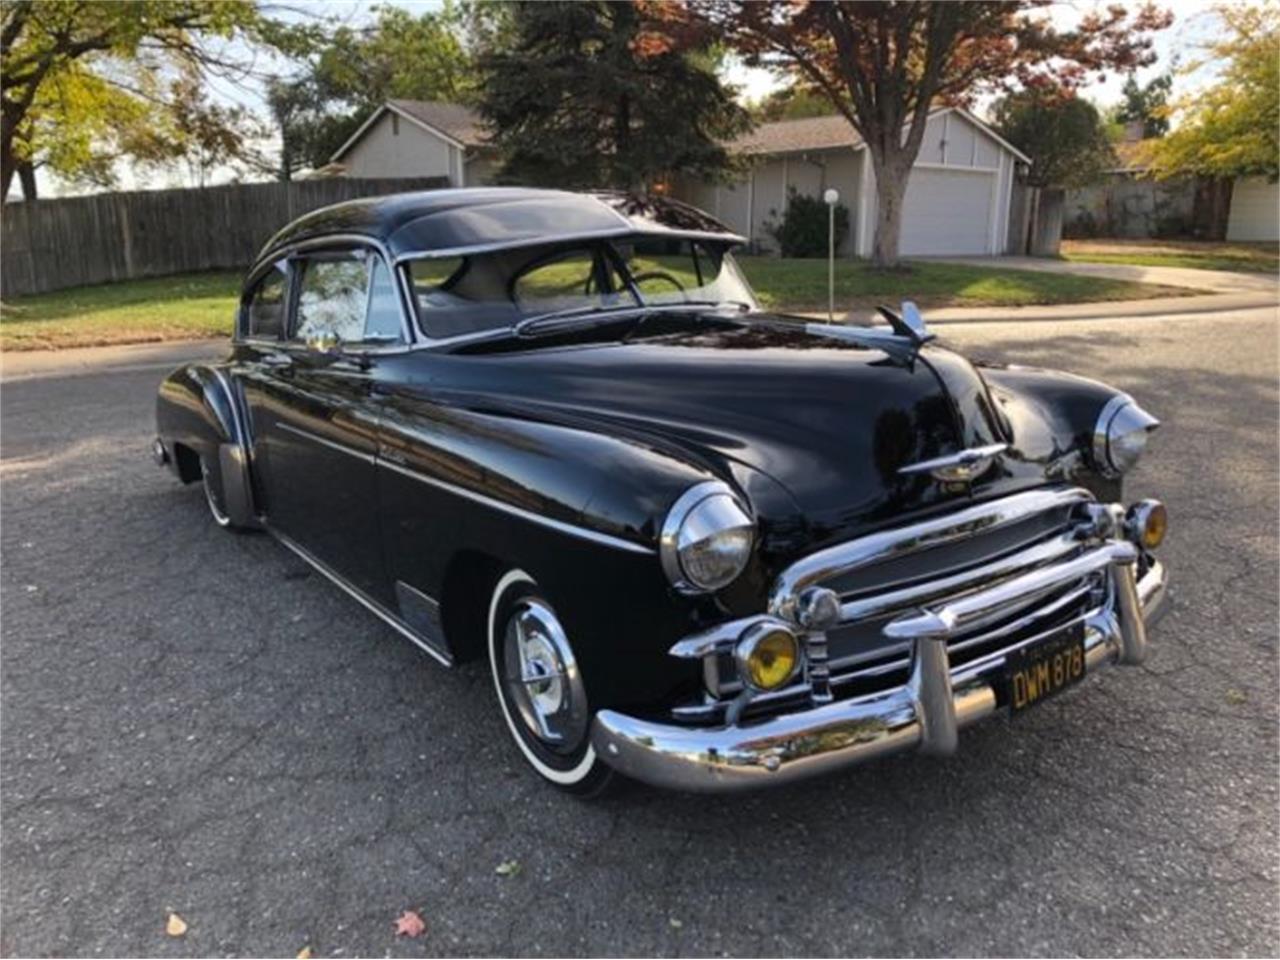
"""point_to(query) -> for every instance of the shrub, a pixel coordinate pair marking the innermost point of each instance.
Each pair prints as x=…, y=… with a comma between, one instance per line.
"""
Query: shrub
x=802, y=231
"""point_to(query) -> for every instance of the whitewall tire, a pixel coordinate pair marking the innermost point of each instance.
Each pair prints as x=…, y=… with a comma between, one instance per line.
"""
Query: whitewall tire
x=540, y=689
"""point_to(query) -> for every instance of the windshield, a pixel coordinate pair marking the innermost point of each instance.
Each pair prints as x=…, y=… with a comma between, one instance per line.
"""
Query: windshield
x=479, y=293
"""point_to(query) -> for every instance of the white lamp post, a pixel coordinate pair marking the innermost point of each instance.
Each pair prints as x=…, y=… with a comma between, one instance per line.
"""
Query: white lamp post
x=832, y=197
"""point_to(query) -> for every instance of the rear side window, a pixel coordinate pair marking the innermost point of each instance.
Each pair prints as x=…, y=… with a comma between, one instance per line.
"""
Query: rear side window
x=349, y=297
x=264, y=317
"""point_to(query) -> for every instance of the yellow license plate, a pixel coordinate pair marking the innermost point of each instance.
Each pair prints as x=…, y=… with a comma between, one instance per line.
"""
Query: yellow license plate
x=1035, y=673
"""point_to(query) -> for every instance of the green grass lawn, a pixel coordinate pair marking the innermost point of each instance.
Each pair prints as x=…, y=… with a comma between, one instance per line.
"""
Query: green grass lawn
x=136, y=311
x=802, y=285
x=203, y=304
x=1240, y=257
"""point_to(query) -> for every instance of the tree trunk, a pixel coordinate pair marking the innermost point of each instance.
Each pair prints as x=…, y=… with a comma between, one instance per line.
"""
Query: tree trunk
x=6, y=175
x=27, y=177
x=891, y=191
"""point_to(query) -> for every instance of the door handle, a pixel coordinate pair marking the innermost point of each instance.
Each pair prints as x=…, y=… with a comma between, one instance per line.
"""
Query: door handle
x=278, y=362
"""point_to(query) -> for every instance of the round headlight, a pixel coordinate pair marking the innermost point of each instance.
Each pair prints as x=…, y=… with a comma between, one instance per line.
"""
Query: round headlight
x=767, y=657
x=1121, y=435
x=706, y=539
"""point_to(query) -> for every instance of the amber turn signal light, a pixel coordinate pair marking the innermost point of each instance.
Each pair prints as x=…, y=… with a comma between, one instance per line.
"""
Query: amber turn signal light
x=767, y=657
x=1146, y=523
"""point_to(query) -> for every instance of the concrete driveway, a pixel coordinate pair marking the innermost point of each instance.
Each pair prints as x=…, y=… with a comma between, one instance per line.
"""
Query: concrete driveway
x=1216, y=281
x=191, y=721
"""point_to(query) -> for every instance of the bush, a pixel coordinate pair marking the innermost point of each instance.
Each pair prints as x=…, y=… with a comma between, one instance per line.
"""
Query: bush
x=802, y=232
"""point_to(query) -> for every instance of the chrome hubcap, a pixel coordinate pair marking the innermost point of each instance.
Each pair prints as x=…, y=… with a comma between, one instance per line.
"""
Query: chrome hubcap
x=219, y=515
x=542, y=677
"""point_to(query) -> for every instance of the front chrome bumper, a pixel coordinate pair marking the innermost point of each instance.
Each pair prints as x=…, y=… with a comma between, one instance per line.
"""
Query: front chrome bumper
x=924, y=714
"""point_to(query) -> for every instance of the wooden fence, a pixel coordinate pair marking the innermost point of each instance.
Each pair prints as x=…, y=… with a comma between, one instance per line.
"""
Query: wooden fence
x=53, y=244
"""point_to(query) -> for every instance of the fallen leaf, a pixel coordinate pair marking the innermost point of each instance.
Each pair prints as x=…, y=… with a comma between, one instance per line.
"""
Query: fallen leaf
x=410, y=924
x=176, y=926
x=1236, y=697
x=304, y=953
x=507, y=868
x=676, y=924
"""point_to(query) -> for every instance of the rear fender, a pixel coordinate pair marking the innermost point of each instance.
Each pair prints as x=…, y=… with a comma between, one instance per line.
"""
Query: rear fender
x=198, y=408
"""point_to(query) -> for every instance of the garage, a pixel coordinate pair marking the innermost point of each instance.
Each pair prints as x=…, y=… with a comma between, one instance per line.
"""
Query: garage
x=947, y=212
x=957, y=199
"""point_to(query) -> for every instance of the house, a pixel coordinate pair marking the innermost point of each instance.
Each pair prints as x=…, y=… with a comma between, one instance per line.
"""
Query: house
x=1126, y=203
x=1129, y=203
x=958, y=199
x=419, y=138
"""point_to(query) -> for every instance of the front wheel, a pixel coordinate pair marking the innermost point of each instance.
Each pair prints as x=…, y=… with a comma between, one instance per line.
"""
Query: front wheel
x=211, y=480
x=540, y=688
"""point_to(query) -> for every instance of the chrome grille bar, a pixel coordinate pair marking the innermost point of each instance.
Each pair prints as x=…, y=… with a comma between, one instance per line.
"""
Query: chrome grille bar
x=844, y=558
x=952, y=617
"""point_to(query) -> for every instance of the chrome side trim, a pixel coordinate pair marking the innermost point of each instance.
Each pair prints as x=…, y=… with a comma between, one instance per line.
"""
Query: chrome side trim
x=360, y=597
x=324, y=441
x=903, y=541
x=582, y=533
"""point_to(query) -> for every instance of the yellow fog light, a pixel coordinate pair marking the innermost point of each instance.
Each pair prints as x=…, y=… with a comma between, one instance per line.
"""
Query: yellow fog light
x=767, y=656
x=1146, y=523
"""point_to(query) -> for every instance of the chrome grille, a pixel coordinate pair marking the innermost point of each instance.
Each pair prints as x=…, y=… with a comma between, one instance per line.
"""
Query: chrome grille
x=896, y=572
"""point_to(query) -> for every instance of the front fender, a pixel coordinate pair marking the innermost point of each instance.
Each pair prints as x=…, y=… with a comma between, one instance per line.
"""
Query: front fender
x=577, y=508
x=1051, y=418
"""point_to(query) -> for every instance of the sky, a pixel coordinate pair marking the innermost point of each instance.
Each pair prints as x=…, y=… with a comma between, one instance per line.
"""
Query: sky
x=1193, y=23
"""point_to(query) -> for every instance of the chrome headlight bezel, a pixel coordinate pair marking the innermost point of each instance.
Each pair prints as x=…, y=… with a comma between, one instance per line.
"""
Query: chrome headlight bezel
x=1120, y=435
x=705, y=511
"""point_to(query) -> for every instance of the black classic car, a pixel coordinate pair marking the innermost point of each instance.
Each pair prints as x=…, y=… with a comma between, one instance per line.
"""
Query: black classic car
x=700, y=544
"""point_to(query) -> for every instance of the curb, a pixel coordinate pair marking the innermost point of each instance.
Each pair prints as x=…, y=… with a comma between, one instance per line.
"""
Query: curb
x=1104, y=310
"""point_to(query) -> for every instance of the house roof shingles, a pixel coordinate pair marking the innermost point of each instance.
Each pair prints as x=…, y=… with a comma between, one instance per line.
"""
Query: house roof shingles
x=790, y=136
x=452, y=119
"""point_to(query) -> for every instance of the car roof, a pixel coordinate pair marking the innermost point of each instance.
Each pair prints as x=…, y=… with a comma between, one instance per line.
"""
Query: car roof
x=468, y=220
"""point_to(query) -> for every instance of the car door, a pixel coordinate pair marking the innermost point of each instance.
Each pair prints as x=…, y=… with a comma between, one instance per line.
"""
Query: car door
x=314, y=419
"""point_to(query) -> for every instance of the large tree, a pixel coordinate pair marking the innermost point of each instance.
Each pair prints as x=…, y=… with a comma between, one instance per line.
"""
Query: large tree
x=85, y=82
x=1063, y=134
x=886, y=65
x=1147, y=105
x=1231, y=128
x=580, y=97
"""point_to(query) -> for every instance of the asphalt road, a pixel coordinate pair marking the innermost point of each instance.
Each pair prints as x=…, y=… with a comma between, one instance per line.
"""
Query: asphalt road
x=193, y=722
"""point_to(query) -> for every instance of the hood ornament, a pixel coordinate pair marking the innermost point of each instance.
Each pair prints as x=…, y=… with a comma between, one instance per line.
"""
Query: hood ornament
x=960, y=467
x=907, y=333
x=909, y=323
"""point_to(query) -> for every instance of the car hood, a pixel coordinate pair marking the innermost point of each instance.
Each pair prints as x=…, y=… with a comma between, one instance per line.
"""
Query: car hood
x=832, y=421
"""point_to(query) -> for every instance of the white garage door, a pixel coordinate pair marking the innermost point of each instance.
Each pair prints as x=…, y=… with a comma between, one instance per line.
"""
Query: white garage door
x=947, y=212
x=1255, y=211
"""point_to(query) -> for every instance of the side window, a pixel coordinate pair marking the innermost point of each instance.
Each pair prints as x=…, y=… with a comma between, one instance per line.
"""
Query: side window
x=264, y=311
x=382, y=325
x=568, y=279
x=350, y=298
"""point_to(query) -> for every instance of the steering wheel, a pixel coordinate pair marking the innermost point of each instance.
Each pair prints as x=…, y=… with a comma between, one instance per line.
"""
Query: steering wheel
x=664, y=277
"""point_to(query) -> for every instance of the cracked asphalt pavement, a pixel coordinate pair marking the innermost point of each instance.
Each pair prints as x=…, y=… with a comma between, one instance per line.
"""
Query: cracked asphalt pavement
x=192, y=721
